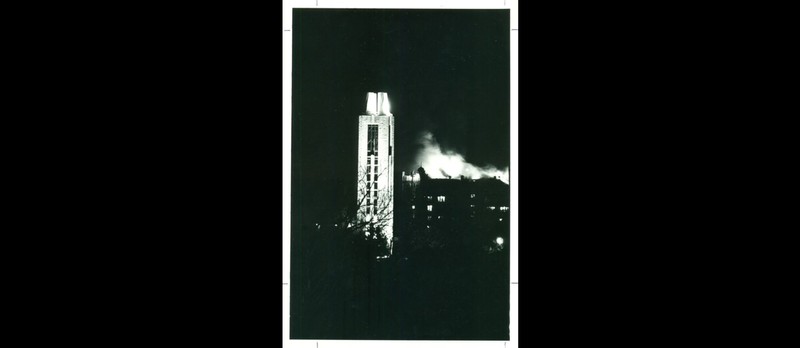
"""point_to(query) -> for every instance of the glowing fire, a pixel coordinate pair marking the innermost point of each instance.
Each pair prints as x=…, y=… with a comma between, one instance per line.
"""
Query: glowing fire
x=440, y=163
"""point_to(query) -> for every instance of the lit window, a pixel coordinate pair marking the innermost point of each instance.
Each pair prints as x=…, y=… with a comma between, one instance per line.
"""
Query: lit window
x=440, y=198
x=503, y=208
x=412, y=207
x=430, y=207
x=471, y=195
x=472, y=205
x=491, y=208
x=438, y=217
x=428, y=198
x=429, y=218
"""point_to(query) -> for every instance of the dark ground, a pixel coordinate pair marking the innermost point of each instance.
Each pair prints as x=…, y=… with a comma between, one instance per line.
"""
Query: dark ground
x=339, y=291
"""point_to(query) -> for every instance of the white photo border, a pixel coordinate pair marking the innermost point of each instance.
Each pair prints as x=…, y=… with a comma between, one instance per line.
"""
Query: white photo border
x=288, y=5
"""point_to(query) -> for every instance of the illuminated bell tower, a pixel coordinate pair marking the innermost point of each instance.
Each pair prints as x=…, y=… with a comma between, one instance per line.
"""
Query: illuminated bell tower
x=376, y=164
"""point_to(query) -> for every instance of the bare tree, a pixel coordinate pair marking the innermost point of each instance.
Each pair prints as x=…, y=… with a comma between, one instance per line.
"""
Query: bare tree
x=370, y=215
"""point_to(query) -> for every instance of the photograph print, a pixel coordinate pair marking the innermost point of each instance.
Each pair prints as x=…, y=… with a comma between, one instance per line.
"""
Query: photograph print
x=400, y=180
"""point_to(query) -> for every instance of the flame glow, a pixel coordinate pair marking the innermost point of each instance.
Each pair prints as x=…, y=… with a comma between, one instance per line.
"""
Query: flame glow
x=440, y=163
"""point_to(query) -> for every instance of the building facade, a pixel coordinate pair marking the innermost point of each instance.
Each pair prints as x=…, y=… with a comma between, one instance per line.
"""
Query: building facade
x=465, y=215
x=376, y=166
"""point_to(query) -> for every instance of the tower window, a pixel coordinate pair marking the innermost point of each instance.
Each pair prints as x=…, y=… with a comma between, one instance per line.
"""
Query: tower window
x=372, y=140
x=471, y=195
x=440, y=198
x=430, y=207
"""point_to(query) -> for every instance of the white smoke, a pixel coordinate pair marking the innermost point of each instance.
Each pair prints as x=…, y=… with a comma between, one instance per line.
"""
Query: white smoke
x=440, y=163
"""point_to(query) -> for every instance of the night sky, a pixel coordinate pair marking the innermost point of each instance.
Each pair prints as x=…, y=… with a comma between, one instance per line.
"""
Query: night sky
x=446, y=71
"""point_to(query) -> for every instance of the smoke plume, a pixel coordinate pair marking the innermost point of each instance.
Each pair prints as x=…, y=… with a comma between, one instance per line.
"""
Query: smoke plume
x=440, y=164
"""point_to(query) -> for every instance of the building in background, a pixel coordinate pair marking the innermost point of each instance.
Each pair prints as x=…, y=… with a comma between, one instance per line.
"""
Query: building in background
x=461, y=215
x=376, y=166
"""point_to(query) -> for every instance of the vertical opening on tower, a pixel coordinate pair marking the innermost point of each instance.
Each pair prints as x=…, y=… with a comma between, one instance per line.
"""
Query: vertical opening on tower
x=372, y=140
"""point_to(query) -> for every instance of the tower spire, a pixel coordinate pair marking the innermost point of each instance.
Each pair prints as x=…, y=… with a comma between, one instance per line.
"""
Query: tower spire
x=376, y=164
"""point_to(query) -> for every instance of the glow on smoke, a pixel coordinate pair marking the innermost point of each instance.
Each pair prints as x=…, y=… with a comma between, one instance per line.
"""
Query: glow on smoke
x=439, y=163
